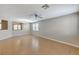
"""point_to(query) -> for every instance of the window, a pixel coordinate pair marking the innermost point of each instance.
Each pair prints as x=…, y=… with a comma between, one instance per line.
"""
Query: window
x=4, y=25
x=17, y=26
x=0, y=26
x=36, y=27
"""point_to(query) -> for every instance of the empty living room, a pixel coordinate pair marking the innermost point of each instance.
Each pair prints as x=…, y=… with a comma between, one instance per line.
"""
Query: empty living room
x=39, y=29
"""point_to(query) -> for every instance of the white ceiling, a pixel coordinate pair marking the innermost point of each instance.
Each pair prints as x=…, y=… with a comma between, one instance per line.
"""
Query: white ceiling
x=21, y=12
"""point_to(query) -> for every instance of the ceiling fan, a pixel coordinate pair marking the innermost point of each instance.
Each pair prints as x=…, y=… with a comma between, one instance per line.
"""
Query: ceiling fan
x=35, y=16
x=45, y=6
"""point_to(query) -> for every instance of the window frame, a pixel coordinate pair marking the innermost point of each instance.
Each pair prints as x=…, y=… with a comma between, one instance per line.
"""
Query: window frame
x=3, y=24
x=18, y=24
x=0, y=26
x=35, y=27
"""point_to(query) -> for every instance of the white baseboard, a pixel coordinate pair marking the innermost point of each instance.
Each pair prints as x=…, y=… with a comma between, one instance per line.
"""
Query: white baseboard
x=71, y=44
x=20, y=34
x=6, y=37
x=9, y=36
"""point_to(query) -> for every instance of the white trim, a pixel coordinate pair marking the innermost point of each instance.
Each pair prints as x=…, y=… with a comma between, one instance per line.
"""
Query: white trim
x=71, y=44
x=3, y=38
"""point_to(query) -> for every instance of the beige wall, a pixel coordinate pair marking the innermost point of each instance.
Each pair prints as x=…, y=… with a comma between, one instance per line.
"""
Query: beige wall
x=61, y=28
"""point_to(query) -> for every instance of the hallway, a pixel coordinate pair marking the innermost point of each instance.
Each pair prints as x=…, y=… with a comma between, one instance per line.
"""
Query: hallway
x=32, y=45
